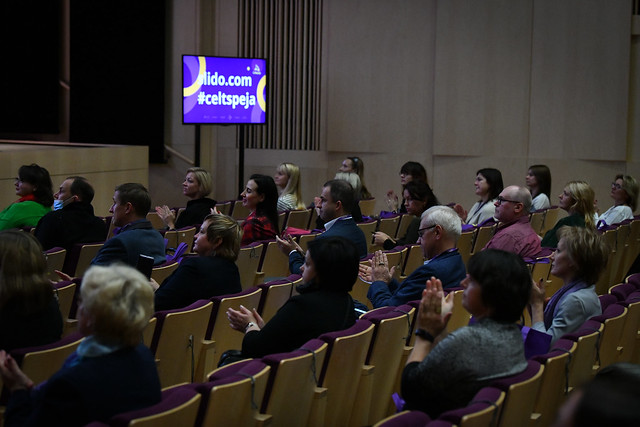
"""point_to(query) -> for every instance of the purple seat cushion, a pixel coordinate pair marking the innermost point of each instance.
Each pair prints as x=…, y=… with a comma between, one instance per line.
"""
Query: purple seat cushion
x=613, y=310
x=504, y=383
x=411, y=419
x=171, y=398
x=606, y=300
x=623, y=290
x=487, y=396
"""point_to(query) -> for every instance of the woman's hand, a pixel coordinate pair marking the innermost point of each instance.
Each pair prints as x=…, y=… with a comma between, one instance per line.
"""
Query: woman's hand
x=63, y=276
x=392, y=201
x=239, y=319
x=536, y=301
x=379, y=238
x=214, y=211
x=364, y=271
x=435, y=310
x=380, y=268
x=12, y=377
x=154, y=284
x=462, y=213
x=166, y=215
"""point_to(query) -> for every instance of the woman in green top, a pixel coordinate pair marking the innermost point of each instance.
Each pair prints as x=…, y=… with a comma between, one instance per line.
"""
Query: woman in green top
x=577, y=199
x=35, y=189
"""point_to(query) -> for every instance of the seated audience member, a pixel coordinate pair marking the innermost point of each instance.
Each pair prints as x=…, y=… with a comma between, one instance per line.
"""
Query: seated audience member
x=324, y=304
x=418, y=197
x=538, y=181
x=410, y=171
x=287, y=179
x=356, y=165
x=514, y=233
x=261, y=198
x=131, y=202
x=196, y=186
x=624, y=192
x=578, y=200
x=581, y=257
x=72, y=220
x=110, y=372
x=213, y=272
x=29, y=312
x=334, y=206
x=445, y=372
x=356, y=213
x=611, y=398
x=35, y=189
x=488, y=185
x=439, y=232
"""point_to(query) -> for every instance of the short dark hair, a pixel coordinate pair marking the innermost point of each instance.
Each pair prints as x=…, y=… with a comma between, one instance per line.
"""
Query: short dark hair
x=420, y=190
x=416, y=170
x=266, y=186
x=80, y=187
x=343, y=191
x=611, y=398
x=137, y=195
x=336, y=263
x=494, y=179
x=38, y=177
x=505, y=281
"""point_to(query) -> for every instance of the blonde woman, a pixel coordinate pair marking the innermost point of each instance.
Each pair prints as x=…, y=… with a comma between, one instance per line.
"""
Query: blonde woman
x=196, y=186
x=624, y=192
x=577, y=198
x=287, y=179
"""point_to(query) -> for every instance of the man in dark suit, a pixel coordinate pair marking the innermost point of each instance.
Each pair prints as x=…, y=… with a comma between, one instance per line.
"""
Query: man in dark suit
x=439, y=231
x=334, y=207
x=131, y=203
x=72, y=220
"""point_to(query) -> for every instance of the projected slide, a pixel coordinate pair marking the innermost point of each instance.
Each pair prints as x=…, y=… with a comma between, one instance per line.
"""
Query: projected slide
x=223, y=90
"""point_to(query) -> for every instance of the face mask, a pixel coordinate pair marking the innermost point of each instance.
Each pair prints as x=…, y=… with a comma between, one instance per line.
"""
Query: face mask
x=59, y=204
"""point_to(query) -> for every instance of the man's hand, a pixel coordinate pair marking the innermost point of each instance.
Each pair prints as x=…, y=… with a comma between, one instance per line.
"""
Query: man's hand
x=380, y=268
x=287, y=244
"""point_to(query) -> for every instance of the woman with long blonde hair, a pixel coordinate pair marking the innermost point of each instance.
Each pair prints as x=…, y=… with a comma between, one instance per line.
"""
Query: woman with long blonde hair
x=287, y=179
x=577, y=198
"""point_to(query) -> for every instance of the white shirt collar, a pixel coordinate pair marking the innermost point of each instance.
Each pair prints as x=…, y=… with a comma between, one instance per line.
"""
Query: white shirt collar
x=329, y=224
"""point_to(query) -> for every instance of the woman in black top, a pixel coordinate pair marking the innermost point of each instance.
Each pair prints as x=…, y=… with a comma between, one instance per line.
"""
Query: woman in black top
x=324, y=304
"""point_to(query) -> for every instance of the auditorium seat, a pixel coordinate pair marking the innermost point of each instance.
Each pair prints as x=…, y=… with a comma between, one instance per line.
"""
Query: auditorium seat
x=248, y=262
x=274, y=294
x=483, y=410
x=520, y=390
x=54, y=258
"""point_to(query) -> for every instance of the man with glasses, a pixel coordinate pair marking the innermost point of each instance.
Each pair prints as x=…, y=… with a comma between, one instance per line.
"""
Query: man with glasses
x=514, y=233
x=439, y=231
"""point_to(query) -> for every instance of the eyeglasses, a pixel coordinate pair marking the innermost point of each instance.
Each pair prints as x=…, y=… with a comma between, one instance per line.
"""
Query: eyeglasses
x=422, y=230
x=616, y=186
x=501, y=200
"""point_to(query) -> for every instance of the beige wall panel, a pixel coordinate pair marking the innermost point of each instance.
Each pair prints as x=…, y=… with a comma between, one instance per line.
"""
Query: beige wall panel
x=104, y=167
x=579, y=86
x=482, y=77
x=378, y=61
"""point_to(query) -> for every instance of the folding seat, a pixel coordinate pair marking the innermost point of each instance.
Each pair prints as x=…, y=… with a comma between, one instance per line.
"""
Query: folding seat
x=368, y=228
x=483, y=410
x=184, y=235
x=224, y=207
x=385, y=354
x=406, y=419
x=536, y=219
x=299, y=219
x=389, y=225
x=465, y=245
x=65, y=292
x=156, y=221
x=248, y=262
x=551, y=217
x=519, y=389
x=179, y=343
x=160, y=272
x=79, y=258
x=342, y=374
x=484, y=233
x=414, y=259
x=275, y=293
x=634, y=279
x=367, y=206
x=304, y=240
x=293, y=378
x=55, y=261
x=274, y=264
x=178, y=253
x=613, y=319
x=622, y=290
x=238, y=211
x=233, y=395
x=218, y=332
x=555, y=381
x=405, y=220
x=581, y=366
x=179, y=406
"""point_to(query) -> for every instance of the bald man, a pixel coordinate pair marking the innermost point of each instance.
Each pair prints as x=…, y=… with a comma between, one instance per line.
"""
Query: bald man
x=514, y=233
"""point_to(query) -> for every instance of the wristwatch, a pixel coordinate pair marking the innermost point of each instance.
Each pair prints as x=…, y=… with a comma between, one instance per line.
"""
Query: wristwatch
x=424, y=335
x=250, y=324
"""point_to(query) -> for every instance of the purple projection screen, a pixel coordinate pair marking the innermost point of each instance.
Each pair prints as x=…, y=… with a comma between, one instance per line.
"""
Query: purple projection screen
x=223, y=90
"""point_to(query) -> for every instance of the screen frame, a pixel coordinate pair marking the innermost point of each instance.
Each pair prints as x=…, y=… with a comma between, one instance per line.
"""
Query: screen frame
x=266, y=116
